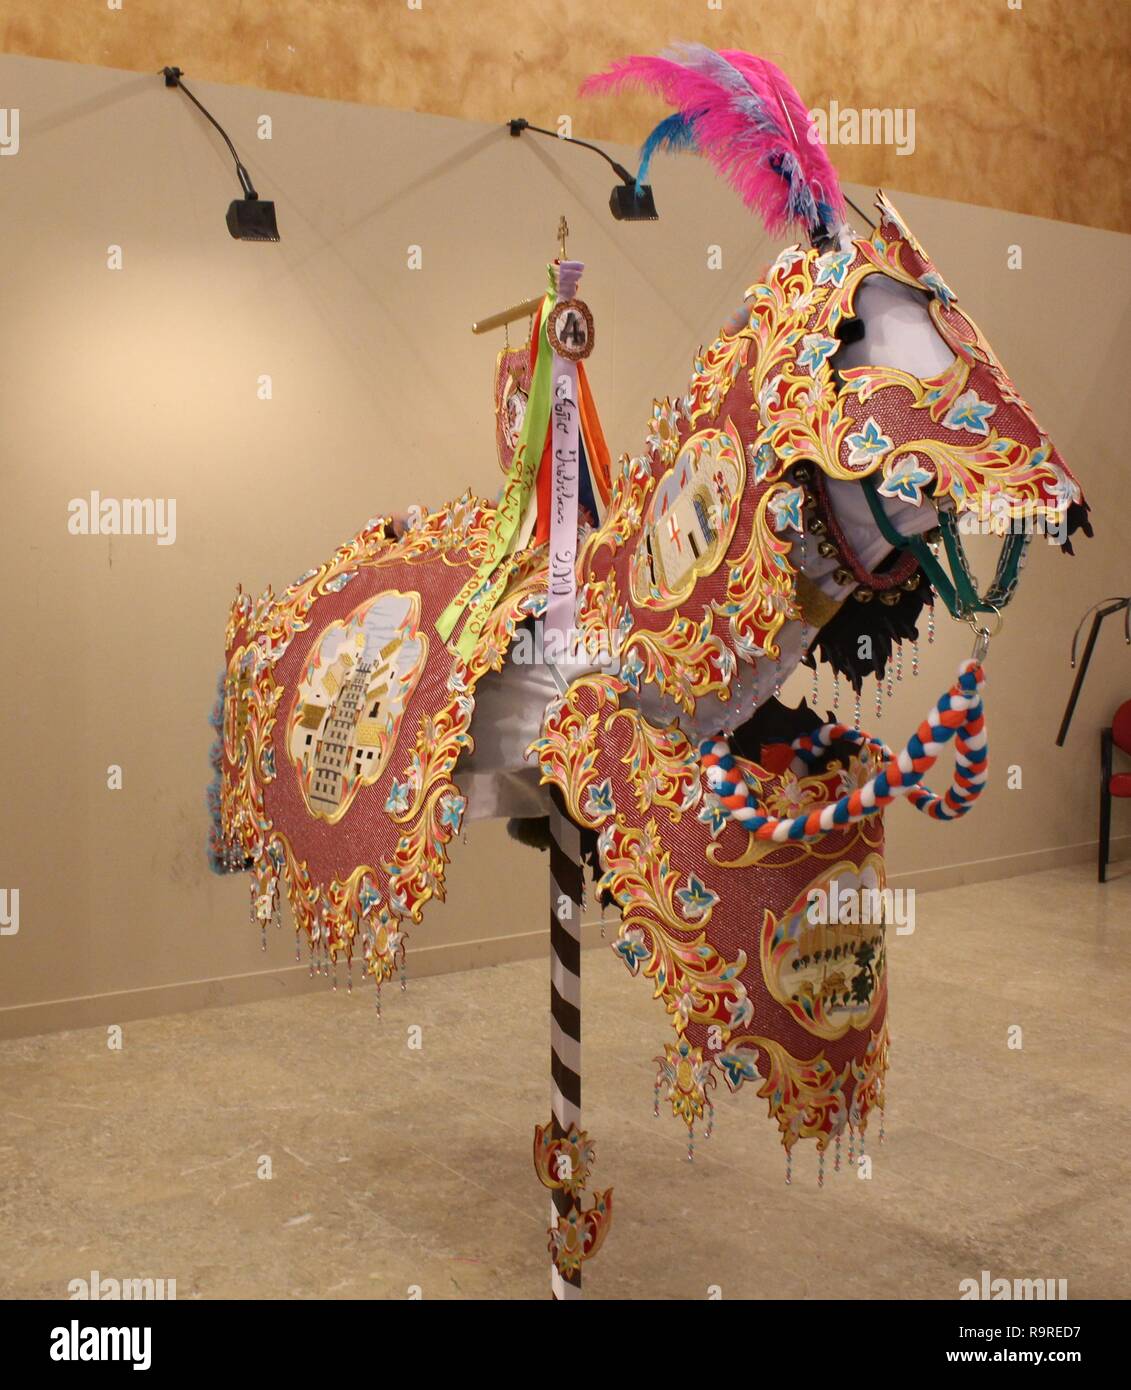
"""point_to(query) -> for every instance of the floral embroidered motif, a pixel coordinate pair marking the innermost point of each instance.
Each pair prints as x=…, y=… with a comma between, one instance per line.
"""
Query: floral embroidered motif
x=816, y=349
x=906, y=480
x=868, y=446
x=785, y=508
x=969, y=413
x=694, y=899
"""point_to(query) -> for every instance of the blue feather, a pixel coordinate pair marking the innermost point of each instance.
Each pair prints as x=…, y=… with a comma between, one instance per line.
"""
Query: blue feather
x=675, y=133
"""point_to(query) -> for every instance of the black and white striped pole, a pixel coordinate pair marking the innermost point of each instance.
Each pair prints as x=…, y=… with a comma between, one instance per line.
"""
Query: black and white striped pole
x=565, y=1014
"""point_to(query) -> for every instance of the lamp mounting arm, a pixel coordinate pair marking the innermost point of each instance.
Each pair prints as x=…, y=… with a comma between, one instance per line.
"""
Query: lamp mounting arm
x=520, y=123
x=173, y=78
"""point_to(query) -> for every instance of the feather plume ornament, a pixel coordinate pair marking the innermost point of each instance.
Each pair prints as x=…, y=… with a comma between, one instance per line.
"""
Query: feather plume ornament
x=674, y=133
x=745, y=116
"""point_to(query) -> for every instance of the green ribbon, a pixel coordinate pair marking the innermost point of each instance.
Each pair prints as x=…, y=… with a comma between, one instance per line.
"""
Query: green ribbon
x=485, y=587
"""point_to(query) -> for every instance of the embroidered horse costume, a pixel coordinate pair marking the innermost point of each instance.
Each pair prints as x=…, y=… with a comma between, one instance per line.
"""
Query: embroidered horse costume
x=794, y=505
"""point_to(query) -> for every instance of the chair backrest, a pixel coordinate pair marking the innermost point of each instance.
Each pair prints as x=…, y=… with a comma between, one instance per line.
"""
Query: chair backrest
x=1121, y=727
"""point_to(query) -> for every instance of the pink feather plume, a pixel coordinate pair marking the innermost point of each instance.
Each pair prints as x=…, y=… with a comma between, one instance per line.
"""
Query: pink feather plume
x=749, y=120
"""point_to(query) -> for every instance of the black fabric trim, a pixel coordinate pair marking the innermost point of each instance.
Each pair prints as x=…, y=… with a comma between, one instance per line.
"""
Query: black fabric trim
x=1079, y=519
x=838, y=642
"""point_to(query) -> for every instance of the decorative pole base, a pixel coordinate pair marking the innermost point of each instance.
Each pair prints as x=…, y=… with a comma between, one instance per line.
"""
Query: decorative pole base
x=563, y=1164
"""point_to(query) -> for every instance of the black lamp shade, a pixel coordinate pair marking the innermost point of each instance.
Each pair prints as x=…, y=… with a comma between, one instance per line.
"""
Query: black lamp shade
x=252, y=219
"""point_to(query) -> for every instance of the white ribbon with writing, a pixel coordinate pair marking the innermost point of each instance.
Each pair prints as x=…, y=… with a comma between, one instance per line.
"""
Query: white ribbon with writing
x=566, y=458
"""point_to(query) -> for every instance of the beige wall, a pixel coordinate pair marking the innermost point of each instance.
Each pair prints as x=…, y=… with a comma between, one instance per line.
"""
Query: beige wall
x=1020, y=104
x=142, y=382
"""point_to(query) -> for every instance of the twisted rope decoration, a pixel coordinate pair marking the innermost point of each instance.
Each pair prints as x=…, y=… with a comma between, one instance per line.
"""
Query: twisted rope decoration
x=958, y=715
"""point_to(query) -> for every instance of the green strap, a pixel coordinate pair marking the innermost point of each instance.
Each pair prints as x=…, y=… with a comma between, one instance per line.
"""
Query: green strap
x=960, y=594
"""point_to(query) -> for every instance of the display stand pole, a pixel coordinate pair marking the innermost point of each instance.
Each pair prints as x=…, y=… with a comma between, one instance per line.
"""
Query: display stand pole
x=565, y=1011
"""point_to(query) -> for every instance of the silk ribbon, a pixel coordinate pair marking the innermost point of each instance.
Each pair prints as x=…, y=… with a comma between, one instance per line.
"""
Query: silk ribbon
x=562, y=583
x=482, y=591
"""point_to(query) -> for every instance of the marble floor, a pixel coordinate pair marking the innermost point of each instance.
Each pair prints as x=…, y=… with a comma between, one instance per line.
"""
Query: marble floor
x=395, y=1167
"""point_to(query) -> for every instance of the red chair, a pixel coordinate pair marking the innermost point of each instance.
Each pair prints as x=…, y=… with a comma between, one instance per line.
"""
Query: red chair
x=1112, y=784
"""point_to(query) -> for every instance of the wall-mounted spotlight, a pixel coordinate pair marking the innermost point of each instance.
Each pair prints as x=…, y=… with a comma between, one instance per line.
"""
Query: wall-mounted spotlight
x=249, y=218
x=629, y=201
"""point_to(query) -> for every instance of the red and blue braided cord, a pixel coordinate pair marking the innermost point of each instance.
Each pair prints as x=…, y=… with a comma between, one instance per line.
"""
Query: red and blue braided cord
x=958, y=715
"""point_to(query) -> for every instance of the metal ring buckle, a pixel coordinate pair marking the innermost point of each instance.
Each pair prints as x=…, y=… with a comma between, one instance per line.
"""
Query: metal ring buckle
x=982, y=633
